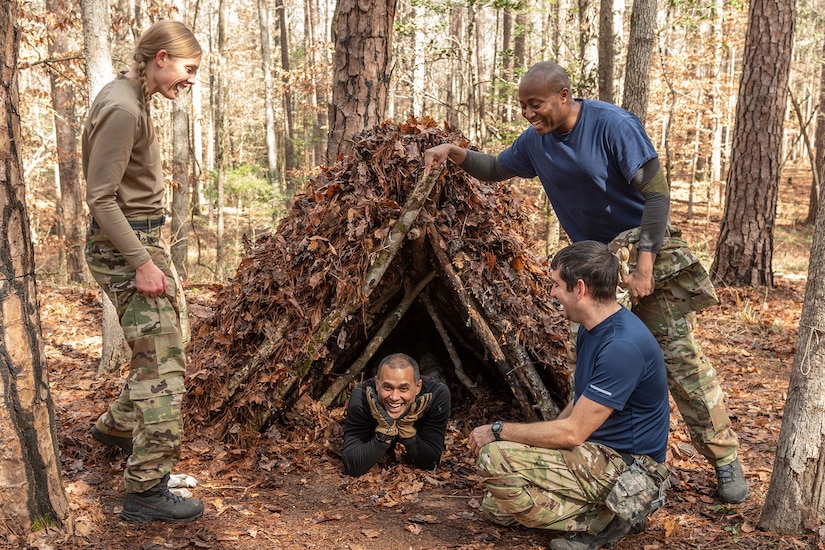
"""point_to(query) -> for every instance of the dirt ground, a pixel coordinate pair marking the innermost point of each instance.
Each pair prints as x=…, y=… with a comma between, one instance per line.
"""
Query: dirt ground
x=289, y=492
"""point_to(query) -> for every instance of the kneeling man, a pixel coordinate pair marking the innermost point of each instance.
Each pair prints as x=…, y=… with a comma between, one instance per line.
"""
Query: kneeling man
x=397, y=406
x=558, y=474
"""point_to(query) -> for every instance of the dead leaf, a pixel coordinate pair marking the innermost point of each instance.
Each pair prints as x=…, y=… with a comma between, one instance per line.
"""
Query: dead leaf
x=670, y=526
x=418, y=518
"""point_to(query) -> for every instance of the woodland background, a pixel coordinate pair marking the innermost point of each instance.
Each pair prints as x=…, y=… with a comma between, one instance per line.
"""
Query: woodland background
x=259, y=117
x=263, y=122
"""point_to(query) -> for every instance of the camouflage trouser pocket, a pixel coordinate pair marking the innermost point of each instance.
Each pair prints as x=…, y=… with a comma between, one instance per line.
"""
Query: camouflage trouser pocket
x=140, y=315
x=637, y=493
x=146, y=316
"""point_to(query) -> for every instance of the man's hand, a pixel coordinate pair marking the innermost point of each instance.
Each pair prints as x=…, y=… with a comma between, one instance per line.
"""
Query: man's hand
x=480, y=437
x=150, y=280
x=387, y=428
x=438, y=155
x=640, y=282
x=406, y=427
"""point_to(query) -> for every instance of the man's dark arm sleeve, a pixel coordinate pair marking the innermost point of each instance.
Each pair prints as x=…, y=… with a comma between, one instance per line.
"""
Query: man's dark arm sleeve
x=651, y=183
x=484, y=167
x=362, y=450
x=425, y=448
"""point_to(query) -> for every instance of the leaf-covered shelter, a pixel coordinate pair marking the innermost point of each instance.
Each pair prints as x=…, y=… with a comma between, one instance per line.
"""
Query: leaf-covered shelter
x=375, y=258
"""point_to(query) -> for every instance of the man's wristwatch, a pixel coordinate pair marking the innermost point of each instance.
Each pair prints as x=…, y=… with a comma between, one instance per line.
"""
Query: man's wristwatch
x=496, y=427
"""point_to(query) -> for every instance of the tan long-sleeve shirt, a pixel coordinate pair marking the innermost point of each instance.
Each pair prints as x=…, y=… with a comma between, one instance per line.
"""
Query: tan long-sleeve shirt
x=122, y=165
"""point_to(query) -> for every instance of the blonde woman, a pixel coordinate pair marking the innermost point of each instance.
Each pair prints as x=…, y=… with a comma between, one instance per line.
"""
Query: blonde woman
x=130, y=260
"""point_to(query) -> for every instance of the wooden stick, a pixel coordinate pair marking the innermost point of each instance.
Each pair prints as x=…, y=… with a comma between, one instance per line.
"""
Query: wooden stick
x=439, y=326
x=524, y=368
x=415, y=201
x=476, y=321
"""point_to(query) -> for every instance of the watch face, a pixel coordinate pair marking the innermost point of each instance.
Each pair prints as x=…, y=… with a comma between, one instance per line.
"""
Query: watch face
x=496, y=427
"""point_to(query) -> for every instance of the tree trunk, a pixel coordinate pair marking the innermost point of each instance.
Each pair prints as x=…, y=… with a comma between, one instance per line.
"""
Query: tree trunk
x=314, y=41
x=266, y=62
x=745, y=246
x=454, y=88
x=73, y=221
x=289, y=125
x=196, y=191
x=610, y=33
x=31, y=491
x=503, y=96
x=588, y=48
x=179, y=246
x=96, y=48
x=471, y=67
x=420, y=39
x=362, y=38
x=97, y=52
x=520, y=42
x=221, y=138
x=639, y=55
x=717, y=103
x=819, y=147
x=795, y=502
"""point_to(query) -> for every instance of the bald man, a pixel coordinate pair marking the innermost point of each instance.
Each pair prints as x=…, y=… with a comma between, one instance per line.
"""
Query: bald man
x=604, y=180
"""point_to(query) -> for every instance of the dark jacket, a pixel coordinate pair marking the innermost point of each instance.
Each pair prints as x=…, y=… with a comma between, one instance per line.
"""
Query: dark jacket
x=362, y=450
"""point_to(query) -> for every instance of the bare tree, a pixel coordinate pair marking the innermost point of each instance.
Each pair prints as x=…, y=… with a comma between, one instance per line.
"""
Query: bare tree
x=315, y=41
x=610, y=29
x=819, y=148
x=31, y=492
x=745, y=246
x=181, y=155
x=97, y=52
x=221, y=136
x=795, y=502
x=269, y=113
x=639, y=56
x=362, y=39
x=71, y=208
x=289, y=128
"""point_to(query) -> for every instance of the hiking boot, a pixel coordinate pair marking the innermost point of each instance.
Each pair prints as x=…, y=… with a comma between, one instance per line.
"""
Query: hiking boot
x=125, y=443
x=730, y=483
x=639, y=527
x=159, y=503
x=579, y=540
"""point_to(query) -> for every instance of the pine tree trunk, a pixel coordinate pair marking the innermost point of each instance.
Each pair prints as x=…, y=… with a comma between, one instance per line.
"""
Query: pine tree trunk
x=745, y=247
x=639, y=56
x=360, y=70
x=795, y=502
x=31, y=492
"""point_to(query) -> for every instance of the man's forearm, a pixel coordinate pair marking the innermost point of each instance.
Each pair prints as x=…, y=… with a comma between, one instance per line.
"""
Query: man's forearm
x=359, y=456
x=423, y=453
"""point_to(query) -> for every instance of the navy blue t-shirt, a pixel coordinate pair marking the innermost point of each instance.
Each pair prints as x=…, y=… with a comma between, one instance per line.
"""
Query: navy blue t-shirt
x=586, y=173
x=620, y=365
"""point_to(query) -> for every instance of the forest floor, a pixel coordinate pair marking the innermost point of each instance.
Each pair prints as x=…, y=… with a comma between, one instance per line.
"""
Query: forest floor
x=291, y=493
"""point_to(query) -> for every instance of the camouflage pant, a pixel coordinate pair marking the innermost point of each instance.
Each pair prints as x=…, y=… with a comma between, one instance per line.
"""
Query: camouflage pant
x=690, y=376
x=559, y=489
x=148, y=408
